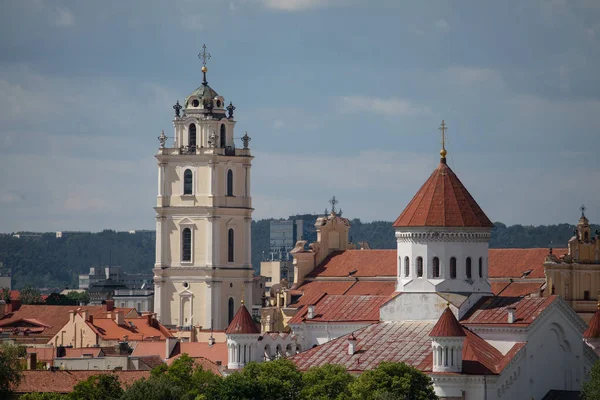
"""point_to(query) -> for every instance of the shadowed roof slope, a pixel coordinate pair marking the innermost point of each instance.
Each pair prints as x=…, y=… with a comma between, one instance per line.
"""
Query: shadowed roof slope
x=593, y=330
x=242, y=323
x=447, y=326
x=443, y=201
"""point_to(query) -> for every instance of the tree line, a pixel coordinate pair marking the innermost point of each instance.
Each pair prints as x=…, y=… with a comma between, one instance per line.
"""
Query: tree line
x=50, y=262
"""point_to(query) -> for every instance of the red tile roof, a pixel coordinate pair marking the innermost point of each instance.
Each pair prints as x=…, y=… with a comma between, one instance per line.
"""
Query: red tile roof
x=493, y=310
x=342, y=308
x=378, y=288
x=215, y=353
x=443, y=201
x=406, y=341
x=362, y=263
x=593, y=330
x=143, y=349
x=512, y=263
x=65, y=381
x=135, y=329
x=447, y=326
x=242, y=323
x=516, y=289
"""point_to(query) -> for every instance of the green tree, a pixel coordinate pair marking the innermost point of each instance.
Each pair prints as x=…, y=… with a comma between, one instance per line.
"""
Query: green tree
x=56, y=299
x=79, y=297
x=30, y=295
x=98, y=387
x=326, y=382
x=590, y=389
x=272, y=380
x=5, y=294
x=44, y=396
x=10, y=369
x=392, y=380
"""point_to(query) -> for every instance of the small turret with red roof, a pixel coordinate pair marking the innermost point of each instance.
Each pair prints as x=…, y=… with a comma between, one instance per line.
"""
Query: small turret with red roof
x=447, y=341
x=242, y=339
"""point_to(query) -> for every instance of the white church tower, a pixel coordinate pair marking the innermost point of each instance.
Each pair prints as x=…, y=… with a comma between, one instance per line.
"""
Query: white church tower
x=443, y=237
x=203, y=215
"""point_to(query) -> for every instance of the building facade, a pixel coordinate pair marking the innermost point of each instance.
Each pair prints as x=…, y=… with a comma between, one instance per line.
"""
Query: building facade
x=203, y=216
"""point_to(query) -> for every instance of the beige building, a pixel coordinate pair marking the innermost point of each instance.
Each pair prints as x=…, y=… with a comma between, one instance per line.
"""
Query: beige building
x=576, y=275
x=203, y=215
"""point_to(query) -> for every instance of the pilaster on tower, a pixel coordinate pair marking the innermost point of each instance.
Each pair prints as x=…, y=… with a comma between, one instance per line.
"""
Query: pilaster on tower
x=203, y=209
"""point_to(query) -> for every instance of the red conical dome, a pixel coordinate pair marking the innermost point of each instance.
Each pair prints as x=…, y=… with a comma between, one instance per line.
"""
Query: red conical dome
x=443, y=201
x=242, y=323
x=447, y=326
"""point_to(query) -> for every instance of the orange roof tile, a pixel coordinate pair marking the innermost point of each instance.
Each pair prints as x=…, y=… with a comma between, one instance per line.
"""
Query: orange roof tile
x=65, y=381
x=242, y=323
x=143, y=349
x=405, y=341
x=447, y=326
x=361, y=263
x=593, y=330
x=443, y=201
x=516, y=289
x=512, y=263
x=135, y=329
x=377, y=288
x=215, y=353
x=342, y=308
x=493, y=310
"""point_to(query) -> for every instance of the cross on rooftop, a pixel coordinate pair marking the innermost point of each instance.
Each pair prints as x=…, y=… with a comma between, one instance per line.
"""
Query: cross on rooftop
x=443, y=128
x=204, y=55
x=333, y=203
x=583, y=208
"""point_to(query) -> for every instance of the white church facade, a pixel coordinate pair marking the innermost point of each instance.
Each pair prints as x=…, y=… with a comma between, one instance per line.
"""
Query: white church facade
x=203, y=216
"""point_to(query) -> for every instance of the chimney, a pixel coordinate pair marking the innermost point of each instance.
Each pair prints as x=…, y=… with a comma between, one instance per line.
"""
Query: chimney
x=351, y=344
x=170, y=343
x=3, y=307
x=511, y=314
x=311, y=312
x=110, y=305
x=90, y=319
x=61, y=351
x=149, y=319
x=85, y=315
x=211, y=340
x=119, y=318
x=31, y=361
x=14, y=305
x=71, y=315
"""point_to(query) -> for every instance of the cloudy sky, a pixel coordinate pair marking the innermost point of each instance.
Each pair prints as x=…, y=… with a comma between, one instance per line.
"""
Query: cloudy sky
x=340, y=97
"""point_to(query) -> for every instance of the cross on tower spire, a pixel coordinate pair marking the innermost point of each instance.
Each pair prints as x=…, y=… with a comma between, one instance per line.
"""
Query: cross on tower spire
x=583, y=208
x=204, y=56
x=443, y=128
x=333, y=203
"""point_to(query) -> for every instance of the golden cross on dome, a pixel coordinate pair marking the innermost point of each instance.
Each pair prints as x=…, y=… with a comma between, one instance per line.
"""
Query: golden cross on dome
x=243, y=287
x=204, y=56
x=443, y=128
x=333, y=203
x=583, y=208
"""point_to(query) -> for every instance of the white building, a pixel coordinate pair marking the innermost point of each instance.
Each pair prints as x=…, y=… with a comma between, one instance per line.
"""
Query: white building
x=203, y=216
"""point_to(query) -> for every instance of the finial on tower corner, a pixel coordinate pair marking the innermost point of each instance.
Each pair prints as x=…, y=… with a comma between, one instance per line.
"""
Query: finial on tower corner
x=443, y=128
x=204, y=56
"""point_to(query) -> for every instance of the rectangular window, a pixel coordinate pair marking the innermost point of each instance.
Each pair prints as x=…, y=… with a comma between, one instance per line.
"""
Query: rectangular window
x=586, y=295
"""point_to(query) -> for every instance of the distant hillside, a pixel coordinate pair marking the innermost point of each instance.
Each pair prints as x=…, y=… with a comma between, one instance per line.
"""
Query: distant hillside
x=45, y=261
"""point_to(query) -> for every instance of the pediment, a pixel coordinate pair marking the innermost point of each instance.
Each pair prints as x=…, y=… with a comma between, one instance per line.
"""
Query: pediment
x=186, y=221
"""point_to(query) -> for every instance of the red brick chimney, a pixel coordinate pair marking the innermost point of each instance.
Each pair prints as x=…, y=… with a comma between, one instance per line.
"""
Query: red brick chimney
x=14, y=305
x=110, y=305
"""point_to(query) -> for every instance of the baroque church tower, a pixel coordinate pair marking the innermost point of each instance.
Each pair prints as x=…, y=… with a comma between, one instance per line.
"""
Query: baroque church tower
x=203, y=215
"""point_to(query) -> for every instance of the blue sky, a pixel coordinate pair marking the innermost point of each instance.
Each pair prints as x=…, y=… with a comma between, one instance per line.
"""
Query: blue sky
x=339, y=96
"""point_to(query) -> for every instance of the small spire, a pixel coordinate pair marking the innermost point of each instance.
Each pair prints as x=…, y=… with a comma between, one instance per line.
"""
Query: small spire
x=583, y=208
x=443, y=128
x=204, y=56
x=243, y=287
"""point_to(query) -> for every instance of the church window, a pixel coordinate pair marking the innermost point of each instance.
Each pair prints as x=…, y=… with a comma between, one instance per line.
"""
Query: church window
x=195, y=103
x=218, y=103
x=188, y=180
x=436, y=267
x=445, y=357
x=186, y=239
x=419, y=267
x=480, y=267
x=406, y=266
x=223, y=135
x=230, y=183
x=230, y=309
x=192, y=135
x=586, y=236
x=453, y=267
x=586, y=295
x=230, y=246
x=468, y=267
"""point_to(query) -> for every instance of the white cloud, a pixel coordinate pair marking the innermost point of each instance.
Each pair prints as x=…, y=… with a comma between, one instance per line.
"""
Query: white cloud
x=442, y=25
x=192, y=22
x=63, y=17
x=474, y=76
x=294, y=5
x=391, y=107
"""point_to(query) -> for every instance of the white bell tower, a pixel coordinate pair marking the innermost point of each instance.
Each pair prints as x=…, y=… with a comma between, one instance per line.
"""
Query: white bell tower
x=203, y=215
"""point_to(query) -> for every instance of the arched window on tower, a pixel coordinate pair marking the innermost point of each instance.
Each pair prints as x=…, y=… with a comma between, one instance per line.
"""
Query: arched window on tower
x=230, y=183
x=230, y=311
x=436, y=267
x=480, y=267
x=186, y=245
x=223, y=135
x=230, y=246
x=468, y=267
x=419, y=267
x=188, y=181
x=452, y=267
x=406, y=266
x=192, y=135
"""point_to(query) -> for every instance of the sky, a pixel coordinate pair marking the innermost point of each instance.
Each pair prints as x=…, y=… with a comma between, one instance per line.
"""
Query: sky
x=340, y=97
